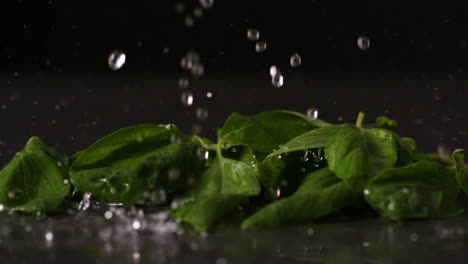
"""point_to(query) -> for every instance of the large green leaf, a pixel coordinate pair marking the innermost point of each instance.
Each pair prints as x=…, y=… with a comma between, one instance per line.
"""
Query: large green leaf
x=461, y=171
x=120, y=167
x=222, y=187
x=266, y=131
x=424, y=189
x=357, y=154
x=36, y=179
x=321, y=194
x=295, y=159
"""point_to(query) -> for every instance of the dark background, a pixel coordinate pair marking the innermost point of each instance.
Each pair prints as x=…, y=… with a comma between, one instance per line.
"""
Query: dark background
x=55, y=81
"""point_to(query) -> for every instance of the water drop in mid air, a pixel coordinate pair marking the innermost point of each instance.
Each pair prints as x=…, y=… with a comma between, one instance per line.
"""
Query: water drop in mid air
x=277, y=79
x=202, y=114
x=260, y=46
x=207, y=3
x=363, y=42
x=295, y=60
x=187, y=98
x=312, y=112
x=273, y=70
x=116, y=60
x=253, y=34
x=85, y=202
x=189, y=21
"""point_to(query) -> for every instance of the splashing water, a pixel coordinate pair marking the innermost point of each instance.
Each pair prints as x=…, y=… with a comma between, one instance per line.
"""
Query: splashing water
x=116, y=60
x=277, y=78
x=85, y=202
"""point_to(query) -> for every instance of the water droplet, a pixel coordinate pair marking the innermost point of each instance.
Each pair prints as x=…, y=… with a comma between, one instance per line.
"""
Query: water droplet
x=366, y=192
x=189, y=22
x=65, y=181
x=136, y=257
x=136, y=225
x=116, y=60
x=221, y=261
x=366, y=244
x=108, y=215
x=405, y=190
x=260, y=46
x=273, y=70
x=279, y=156
x=391, y=206
x=206, y=156
x=234, y=150
x=414, y=237
x=49, y=236
x=253, y=34
x=312, y=112
x=2, y=207
x=295, y=60
x=207, y=3
x=363, y=42
x=197, y=70
x=197, y=12
x=85, y=202
x=179, y=7
x=277, y=80
x=183, y=82
x=202, y=114
x=278, y=192
x=209, y=95
x=310, y=231
x=187, y=98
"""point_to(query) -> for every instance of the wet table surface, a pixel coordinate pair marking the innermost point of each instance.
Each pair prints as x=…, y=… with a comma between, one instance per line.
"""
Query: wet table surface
x=132, y=236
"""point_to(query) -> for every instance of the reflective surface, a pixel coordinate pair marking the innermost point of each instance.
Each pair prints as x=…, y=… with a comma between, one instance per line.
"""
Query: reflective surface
x=94, y=237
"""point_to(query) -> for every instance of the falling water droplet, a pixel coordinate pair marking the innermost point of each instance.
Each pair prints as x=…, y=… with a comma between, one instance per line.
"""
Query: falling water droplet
x=363, y=42
x=273, y=70
x=189, y=21
x=202, y=114
x=187, y=98
x=207, y=3
x=197, y=12
x=260, y=46
x=278, y=192
x=136, y=225
x=312, y=112
x=209, y=94
x=197, y=70
x=116, y=60
x=108, y=215
x=183, y=82
x=49, y=236
x=277, y=79
x=295, y=60
x=85, y=202
x=253, y=34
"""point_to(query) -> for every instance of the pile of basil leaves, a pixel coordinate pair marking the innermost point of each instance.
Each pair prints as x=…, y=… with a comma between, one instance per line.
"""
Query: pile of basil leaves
x=270, y=170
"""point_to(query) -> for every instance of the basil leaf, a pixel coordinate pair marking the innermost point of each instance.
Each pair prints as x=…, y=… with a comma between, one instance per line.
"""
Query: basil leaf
x=222, y=188
x=321, y=194
x=357, y=154
x=461, y=171
x=424, y=189
x=35, y=179
x=282, y=174
x=266, y=131
x=120, y=167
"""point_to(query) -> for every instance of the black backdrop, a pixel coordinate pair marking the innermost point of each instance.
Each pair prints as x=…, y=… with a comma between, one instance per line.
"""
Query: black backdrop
x=56, y=83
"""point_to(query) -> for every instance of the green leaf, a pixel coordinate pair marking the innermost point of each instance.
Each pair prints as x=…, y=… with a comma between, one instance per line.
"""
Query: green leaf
x=222, y=187
x=120, y=167
x=357, y=154
x=461, y=171
x=385, y=122
x=424, y=189
x=266, y=131
x=321, y=194
x=295, y=159
x=35, y=179
x=283, y=173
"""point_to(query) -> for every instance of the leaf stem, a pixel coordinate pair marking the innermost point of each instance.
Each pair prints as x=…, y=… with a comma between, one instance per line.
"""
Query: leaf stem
x=359, y=120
